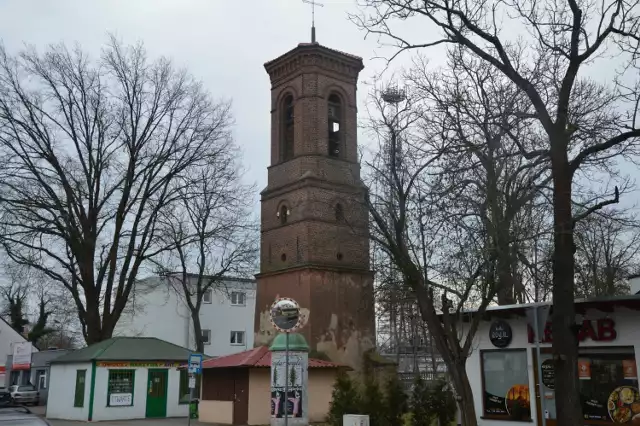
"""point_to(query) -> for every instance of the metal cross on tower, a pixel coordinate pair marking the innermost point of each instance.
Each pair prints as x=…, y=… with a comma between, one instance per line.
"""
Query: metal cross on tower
x=313, y=4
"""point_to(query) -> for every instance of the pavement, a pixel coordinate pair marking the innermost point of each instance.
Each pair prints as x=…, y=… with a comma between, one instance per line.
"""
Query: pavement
x=181, y=421
x=163, y=422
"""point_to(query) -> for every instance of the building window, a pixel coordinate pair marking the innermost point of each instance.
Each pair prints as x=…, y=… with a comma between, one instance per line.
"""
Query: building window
x=505, y=382
x=238, y=298
x=206, y=337
x=184, y=394
x=120, y=388
x=608, y=384
x=41, y=379
x=81, y=378
x=237, y=337
x=207, y=296
x=287, y=128
x=335, y=121
x=339, y=213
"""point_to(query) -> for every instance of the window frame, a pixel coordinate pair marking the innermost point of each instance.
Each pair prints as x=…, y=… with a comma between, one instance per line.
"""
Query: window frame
x=208, y=330
x=244, y=298
x=532, y=400
x=78, y=398
x=207, y=292
x=239, y=333
x=131, y=371
x=184, y=381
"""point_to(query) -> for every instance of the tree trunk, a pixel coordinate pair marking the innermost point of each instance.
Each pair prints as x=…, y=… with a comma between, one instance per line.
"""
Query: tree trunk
x=565, y=341
x=197, y=331
x=464, y=394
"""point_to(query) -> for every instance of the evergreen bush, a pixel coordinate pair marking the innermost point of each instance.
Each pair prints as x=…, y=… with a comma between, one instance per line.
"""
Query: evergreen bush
x=442, y=402
x=421, y=413
x=373, y=401
x=344, y=400
x=395, y=402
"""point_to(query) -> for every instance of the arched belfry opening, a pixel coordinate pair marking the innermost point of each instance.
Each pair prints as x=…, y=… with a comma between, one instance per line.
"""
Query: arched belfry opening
x=288, y=126
x=335, y=125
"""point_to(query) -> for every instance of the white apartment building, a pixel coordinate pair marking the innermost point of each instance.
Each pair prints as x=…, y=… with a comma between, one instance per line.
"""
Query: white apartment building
x=226, y=316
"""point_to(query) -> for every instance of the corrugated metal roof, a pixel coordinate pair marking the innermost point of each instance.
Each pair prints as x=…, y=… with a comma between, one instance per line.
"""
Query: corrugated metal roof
x=127, y=349
x=259, y=357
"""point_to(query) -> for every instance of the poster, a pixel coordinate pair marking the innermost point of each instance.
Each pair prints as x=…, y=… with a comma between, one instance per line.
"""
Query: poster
x=293, y=403
x=293, y=377
x=548, y=374
x=584, y=369
x=120, y=399
x=629, y=369
x=21, y=356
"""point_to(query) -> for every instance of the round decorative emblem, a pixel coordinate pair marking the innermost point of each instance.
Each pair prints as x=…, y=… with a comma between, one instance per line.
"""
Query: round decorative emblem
x=285, y=315
x=500, y=334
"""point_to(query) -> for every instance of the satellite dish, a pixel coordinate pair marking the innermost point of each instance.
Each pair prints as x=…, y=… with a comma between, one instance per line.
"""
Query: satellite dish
x=285, y=315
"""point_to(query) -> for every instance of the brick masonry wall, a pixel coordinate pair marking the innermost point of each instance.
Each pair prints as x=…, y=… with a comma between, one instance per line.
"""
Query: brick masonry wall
x=314, y=258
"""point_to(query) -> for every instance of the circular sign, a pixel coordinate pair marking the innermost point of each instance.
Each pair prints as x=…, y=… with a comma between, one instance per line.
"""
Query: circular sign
x=285, y=314
x=500, y=334
x=548, y=374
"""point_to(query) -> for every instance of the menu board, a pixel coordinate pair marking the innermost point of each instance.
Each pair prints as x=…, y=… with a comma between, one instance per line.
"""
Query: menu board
x=548, y=374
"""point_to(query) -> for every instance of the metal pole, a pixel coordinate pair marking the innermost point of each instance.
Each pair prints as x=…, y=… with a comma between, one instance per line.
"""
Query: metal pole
x=539, y=366
x=190, y=398
x=286, y=379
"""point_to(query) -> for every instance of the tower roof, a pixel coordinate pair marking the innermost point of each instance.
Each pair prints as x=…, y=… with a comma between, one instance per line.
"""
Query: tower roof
x=313, y=54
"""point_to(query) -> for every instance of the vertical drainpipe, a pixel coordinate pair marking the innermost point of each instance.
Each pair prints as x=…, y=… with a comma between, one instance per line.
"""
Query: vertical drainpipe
x=92, y=390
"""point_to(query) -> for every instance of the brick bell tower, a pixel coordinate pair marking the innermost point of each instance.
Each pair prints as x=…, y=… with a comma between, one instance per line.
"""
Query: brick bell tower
x=314, y=223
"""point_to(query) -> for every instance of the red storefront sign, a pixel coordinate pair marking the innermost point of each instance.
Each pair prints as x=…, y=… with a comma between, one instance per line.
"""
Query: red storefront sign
x=600, y=330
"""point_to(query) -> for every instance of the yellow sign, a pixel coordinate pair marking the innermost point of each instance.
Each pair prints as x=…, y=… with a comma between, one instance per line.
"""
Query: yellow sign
x=141, y=364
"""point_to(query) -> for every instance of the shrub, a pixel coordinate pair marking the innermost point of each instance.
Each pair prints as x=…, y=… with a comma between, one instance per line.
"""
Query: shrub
x=373, y=401
x=344, y=400
x=442, y=402
x=422, y=415
x=395, y=402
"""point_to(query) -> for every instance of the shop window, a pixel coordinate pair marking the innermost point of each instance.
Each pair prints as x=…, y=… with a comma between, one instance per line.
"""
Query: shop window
x=184, y=394
x=120, y=388
x=81, y=379
x=505, y=383
x=609, y=384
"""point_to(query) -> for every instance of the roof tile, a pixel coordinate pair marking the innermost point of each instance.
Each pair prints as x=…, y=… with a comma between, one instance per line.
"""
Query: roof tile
x=258, y=357
x=128, y=349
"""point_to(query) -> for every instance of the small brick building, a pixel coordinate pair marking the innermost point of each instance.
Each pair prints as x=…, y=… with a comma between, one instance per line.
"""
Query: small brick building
x=315, y=240
x=236, y=388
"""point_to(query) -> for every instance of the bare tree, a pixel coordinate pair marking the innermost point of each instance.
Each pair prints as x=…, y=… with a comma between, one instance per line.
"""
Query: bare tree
x=451, y=191
x=608, y=249
x=91, y=155
x=583, y=121
x=212, y=232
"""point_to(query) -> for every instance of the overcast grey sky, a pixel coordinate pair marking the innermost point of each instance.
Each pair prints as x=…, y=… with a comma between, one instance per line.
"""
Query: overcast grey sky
x=222, y=42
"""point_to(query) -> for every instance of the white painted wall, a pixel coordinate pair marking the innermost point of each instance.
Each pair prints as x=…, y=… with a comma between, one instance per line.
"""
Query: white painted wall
x=62, y=390
x=8, y=336
x=160, y=312
x=138, y=410
x=628, y=334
